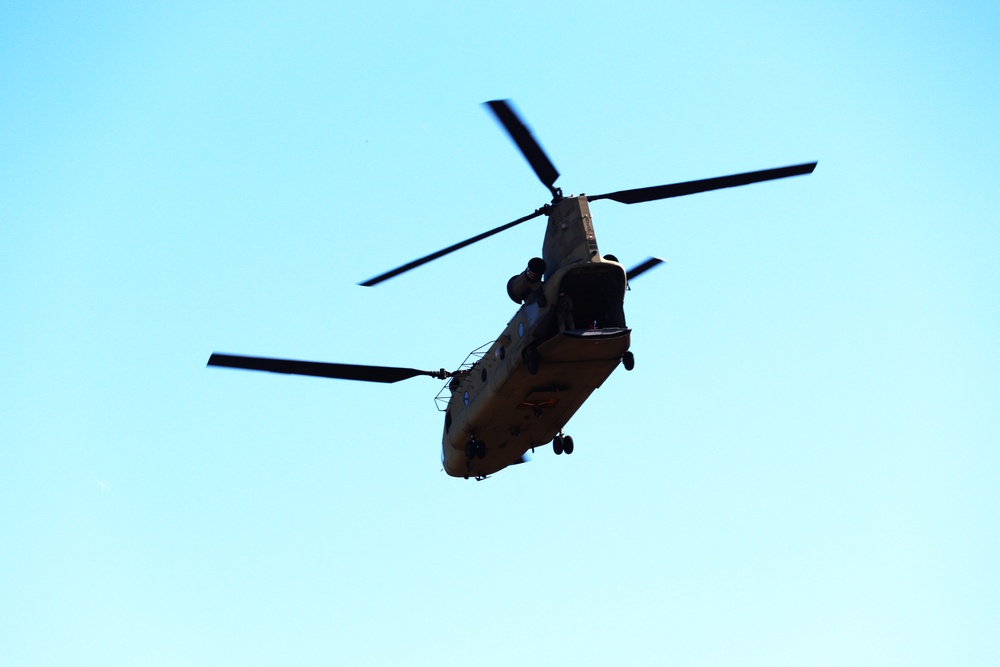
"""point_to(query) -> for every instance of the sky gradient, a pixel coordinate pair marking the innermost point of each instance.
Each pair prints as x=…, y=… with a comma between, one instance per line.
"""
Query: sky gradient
x=801, y=469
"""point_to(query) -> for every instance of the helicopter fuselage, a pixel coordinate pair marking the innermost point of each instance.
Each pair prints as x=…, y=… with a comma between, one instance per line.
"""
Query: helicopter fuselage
x=561, y=345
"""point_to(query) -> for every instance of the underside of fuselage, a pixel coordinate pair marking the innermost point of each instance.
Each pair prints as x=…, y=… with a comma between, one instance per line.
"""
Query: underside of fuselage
x=530, y=410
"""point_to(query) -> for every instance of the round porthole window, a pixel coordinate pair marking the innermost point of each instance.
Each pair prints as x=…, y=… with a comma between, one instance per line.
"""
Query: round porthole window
x=466, y=398
x=484, y=376
x=520, y=329
x=500, y=353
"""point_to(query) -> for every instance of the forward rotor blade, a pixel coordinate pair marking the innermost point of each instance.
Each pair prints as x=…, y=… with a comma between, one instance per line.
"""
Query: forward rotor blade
x=642, y=267
x=691, y=187
x=319, y=369
x=450, y=249
x=525, y=141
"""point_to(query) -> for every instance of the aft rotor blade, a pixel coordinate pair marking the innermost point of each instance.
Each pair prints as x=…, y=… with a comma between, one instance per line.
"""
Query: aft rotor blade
x=450, y=249
x=319, y=369
x=642, y=267
x=691, y=187
x=525, y=141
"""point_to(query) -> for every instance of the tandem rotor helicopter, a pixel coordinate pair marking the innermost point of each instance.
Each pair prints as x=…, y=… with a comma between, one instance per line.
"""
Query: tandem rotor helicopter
x=567, y=337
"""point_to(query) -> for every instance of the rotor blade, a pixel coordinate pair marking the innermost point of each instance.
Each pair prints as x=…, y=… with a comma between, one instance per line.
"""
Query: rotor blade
x=642, y=267
x=319, y=369
x=522, y=136
x=441, y=253
x=691, y=187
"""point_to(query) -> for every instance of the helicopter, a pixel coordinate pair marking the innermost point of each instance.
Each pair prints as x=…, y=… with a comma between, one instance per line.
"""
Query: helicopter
x=568, y=335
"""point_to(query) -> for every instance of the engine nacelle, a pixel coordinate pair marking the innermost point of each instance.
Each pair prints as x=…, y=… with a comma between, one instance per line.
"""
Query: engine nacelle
x=521, y=286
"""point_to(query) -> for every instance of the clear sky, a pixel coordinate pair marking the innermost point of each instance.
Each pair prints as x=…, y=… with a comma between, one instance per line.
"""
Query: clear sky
x=801, y=469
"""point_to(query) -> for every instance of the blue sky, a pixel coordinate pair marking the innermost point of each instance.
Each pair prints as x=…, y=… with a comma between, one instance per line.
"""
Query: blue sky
x=801, y=469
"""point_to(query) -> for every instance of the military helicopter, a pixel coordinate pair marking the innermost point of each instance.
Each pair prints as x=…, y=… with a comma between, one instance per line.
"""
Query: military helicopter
x=568, y=335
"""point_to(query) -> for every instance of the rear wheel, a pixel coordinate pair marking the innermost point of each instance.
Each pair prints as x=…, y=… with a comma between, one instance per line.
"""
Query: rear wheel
x=628, y=360
x=557, y=444
x=568, y=445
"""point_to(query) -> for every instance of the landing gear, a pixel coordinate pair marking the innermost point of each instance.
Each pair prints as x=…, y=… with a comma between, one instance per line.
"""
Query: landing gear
x=628, y=360
x=562, y=443
x=475, y=449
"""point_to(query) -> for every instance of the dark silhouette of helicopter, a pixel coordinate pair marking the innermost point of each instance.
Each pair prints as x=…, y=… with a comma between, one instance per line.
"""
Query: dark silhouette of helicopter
x=568, y=335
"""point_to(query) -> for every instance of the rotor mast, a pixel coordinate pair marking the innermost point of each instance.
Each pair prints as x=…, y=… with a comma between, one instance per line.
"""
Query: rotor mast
x=569, y=235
